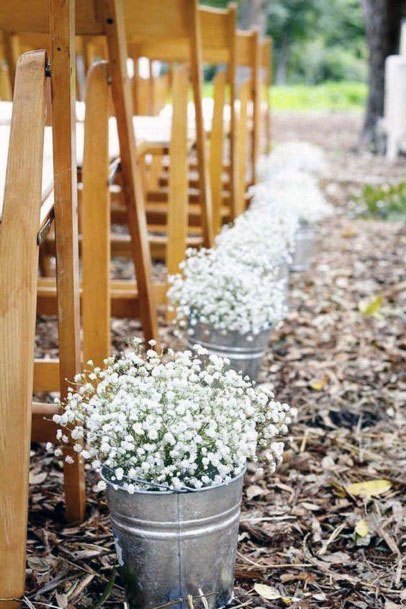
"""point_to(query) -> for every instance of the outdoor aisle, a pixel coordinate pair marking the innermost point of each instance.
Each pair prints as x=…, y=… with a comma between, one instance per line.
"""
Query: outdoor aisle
x=337, y=361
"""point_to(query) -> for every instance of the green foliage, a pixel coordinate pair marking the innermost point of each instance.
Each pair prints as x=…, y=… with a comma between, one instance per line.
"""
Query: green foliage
x=387, y=202
x=317, y=40
x=327, y=96
x=314, y=40
x=215, y=3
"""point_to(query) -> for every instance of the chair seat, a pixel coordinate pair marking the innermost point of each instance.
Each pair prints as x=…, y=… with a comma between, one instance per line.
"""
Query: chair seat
x=152, y=132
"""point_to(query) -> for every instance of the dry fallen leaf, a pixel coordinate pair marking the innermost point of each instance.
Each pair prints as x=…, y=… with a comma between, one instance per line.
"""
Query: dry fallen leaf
x=254, y=491
x=267, y=592
x=372, y=307
x=38, y=478
x=349, y=232
x=361, y=528
x=369, y=488
x=318, y=384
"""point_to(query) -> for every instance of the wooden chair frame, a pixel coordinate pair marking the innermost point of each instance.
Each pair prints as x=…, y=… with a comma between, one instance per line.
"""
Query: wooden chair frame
x=248, y=55
x=266, y=48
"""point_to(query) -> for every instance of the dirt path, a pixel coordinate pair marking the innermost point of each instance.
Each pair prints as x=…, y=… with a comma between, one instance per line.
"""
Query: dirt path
x=302, y=533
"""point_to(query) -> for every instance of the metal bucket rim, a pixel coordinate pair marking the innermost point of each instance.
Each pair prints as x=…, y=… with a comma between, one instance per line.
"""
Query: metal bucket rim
x=266, y=330
x=183, y=491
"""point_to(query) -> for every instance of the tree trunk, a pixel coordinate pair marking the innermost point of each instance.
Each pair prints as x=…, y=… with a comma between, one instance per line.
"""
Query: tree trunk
x=382, y=24
x=282, y=58
x=253, y=13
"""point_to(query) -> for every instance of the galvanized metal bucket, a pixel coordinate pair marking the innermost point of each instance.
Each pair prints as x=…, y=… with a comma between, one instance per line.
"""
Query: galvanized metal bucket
x=244, y=352
x=304, y=241
x=173, y=544
x=283, y=276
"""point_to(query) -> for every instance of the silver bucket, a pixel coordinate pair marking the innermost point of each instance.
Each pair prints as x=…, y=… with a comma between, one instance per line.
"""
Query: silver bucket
x=283, y=276
x=245, y=355
x=174, y=544
x=303, y=253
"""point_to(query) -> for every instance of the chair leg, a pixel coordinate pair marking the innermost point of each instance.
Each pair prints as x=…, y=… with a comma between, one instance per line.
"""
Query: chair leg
x=242, y=147
x=18, y=286
x=216, y=150
x=66, y=226
x=177, y=218
x=132, y=182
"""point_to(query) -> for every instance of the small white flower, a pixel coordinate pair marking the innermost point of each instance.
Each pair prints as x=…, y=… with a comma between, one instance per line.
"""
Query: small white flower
x=172, y=422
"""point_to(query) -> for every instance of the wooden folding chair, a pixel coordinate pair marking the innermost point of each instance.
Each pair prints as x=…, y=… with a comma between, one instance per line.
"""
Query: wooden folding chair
x=168, y=238
x=266, y=83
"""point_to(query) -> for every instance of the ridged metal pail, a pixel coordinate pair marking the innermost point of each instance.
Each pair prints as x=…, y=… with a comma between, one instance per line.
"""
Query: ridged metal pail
x=304, y=241
x=174, y=544
x=245, y=355
x=283, y=276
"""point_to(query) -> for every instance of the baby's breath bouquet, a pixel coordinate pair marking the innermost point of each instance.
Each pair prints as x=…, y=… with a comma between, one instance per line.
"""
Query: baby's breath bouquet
x=270, y=237
x=234, y=287
x=170, y=421
x=292, y=156
x=294, y=193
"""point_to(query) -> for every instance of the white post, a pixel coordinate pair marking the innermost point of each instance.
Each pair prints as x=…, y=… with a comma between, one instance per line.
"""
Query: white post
x=402, y=46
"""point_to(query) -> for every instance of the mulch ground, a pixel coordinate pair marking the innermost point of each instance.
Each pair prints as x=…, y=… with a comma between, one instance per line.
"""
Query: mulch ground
x=307, y=535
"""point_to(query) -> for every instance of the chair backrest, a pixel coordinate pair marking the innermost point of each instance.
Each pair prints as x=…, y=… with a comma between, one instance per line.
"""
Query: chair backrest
x=169, y=30
x=249, y=56
x=16, y=16
x=219, y=47
x=218, y=29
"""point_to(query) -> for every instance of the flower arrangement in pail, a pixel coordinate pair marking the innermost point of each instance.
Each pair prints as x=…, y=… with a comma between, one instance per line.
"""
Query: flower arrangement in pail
x=299, y=195
x=171, y=435
x=227, y=299
x=292, y=156
x=269, y=237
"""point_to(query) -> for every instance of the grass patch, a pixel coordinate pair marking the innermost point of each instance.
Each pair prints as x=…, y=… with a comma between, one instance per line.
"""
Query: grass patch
x=386, y=202
x=327, y=96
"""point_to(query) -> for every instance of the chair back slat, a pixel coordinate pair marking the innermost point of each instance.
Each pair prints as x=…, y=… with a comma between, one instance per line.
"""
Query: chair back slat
x=22, y=16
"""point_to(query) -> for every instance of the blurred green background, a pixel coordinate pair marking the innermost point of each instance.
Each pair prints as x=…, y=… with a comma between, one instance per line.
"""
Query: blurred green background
x=320, y=53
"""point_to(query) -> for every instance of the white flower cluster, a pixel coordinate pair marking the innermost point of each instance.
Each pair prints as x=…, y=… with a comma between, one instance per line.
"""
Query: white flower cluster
x=171, y=421
x=273, y=235
x=241, y=285
x=292, y=156
x=296, y=192
x=235, y=287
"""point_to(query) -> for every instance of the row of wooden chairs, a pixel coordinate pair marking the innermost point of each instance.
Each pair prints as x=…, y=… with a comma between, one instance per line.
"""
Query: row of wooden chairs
x=173, y=187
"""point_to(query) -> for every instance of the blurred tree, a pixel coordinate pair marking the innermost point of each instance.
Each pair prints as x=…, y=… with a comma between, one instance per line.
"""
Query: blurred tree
x=290, y=22
x=317, y=40
x=382, y=20
x=254, y=13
